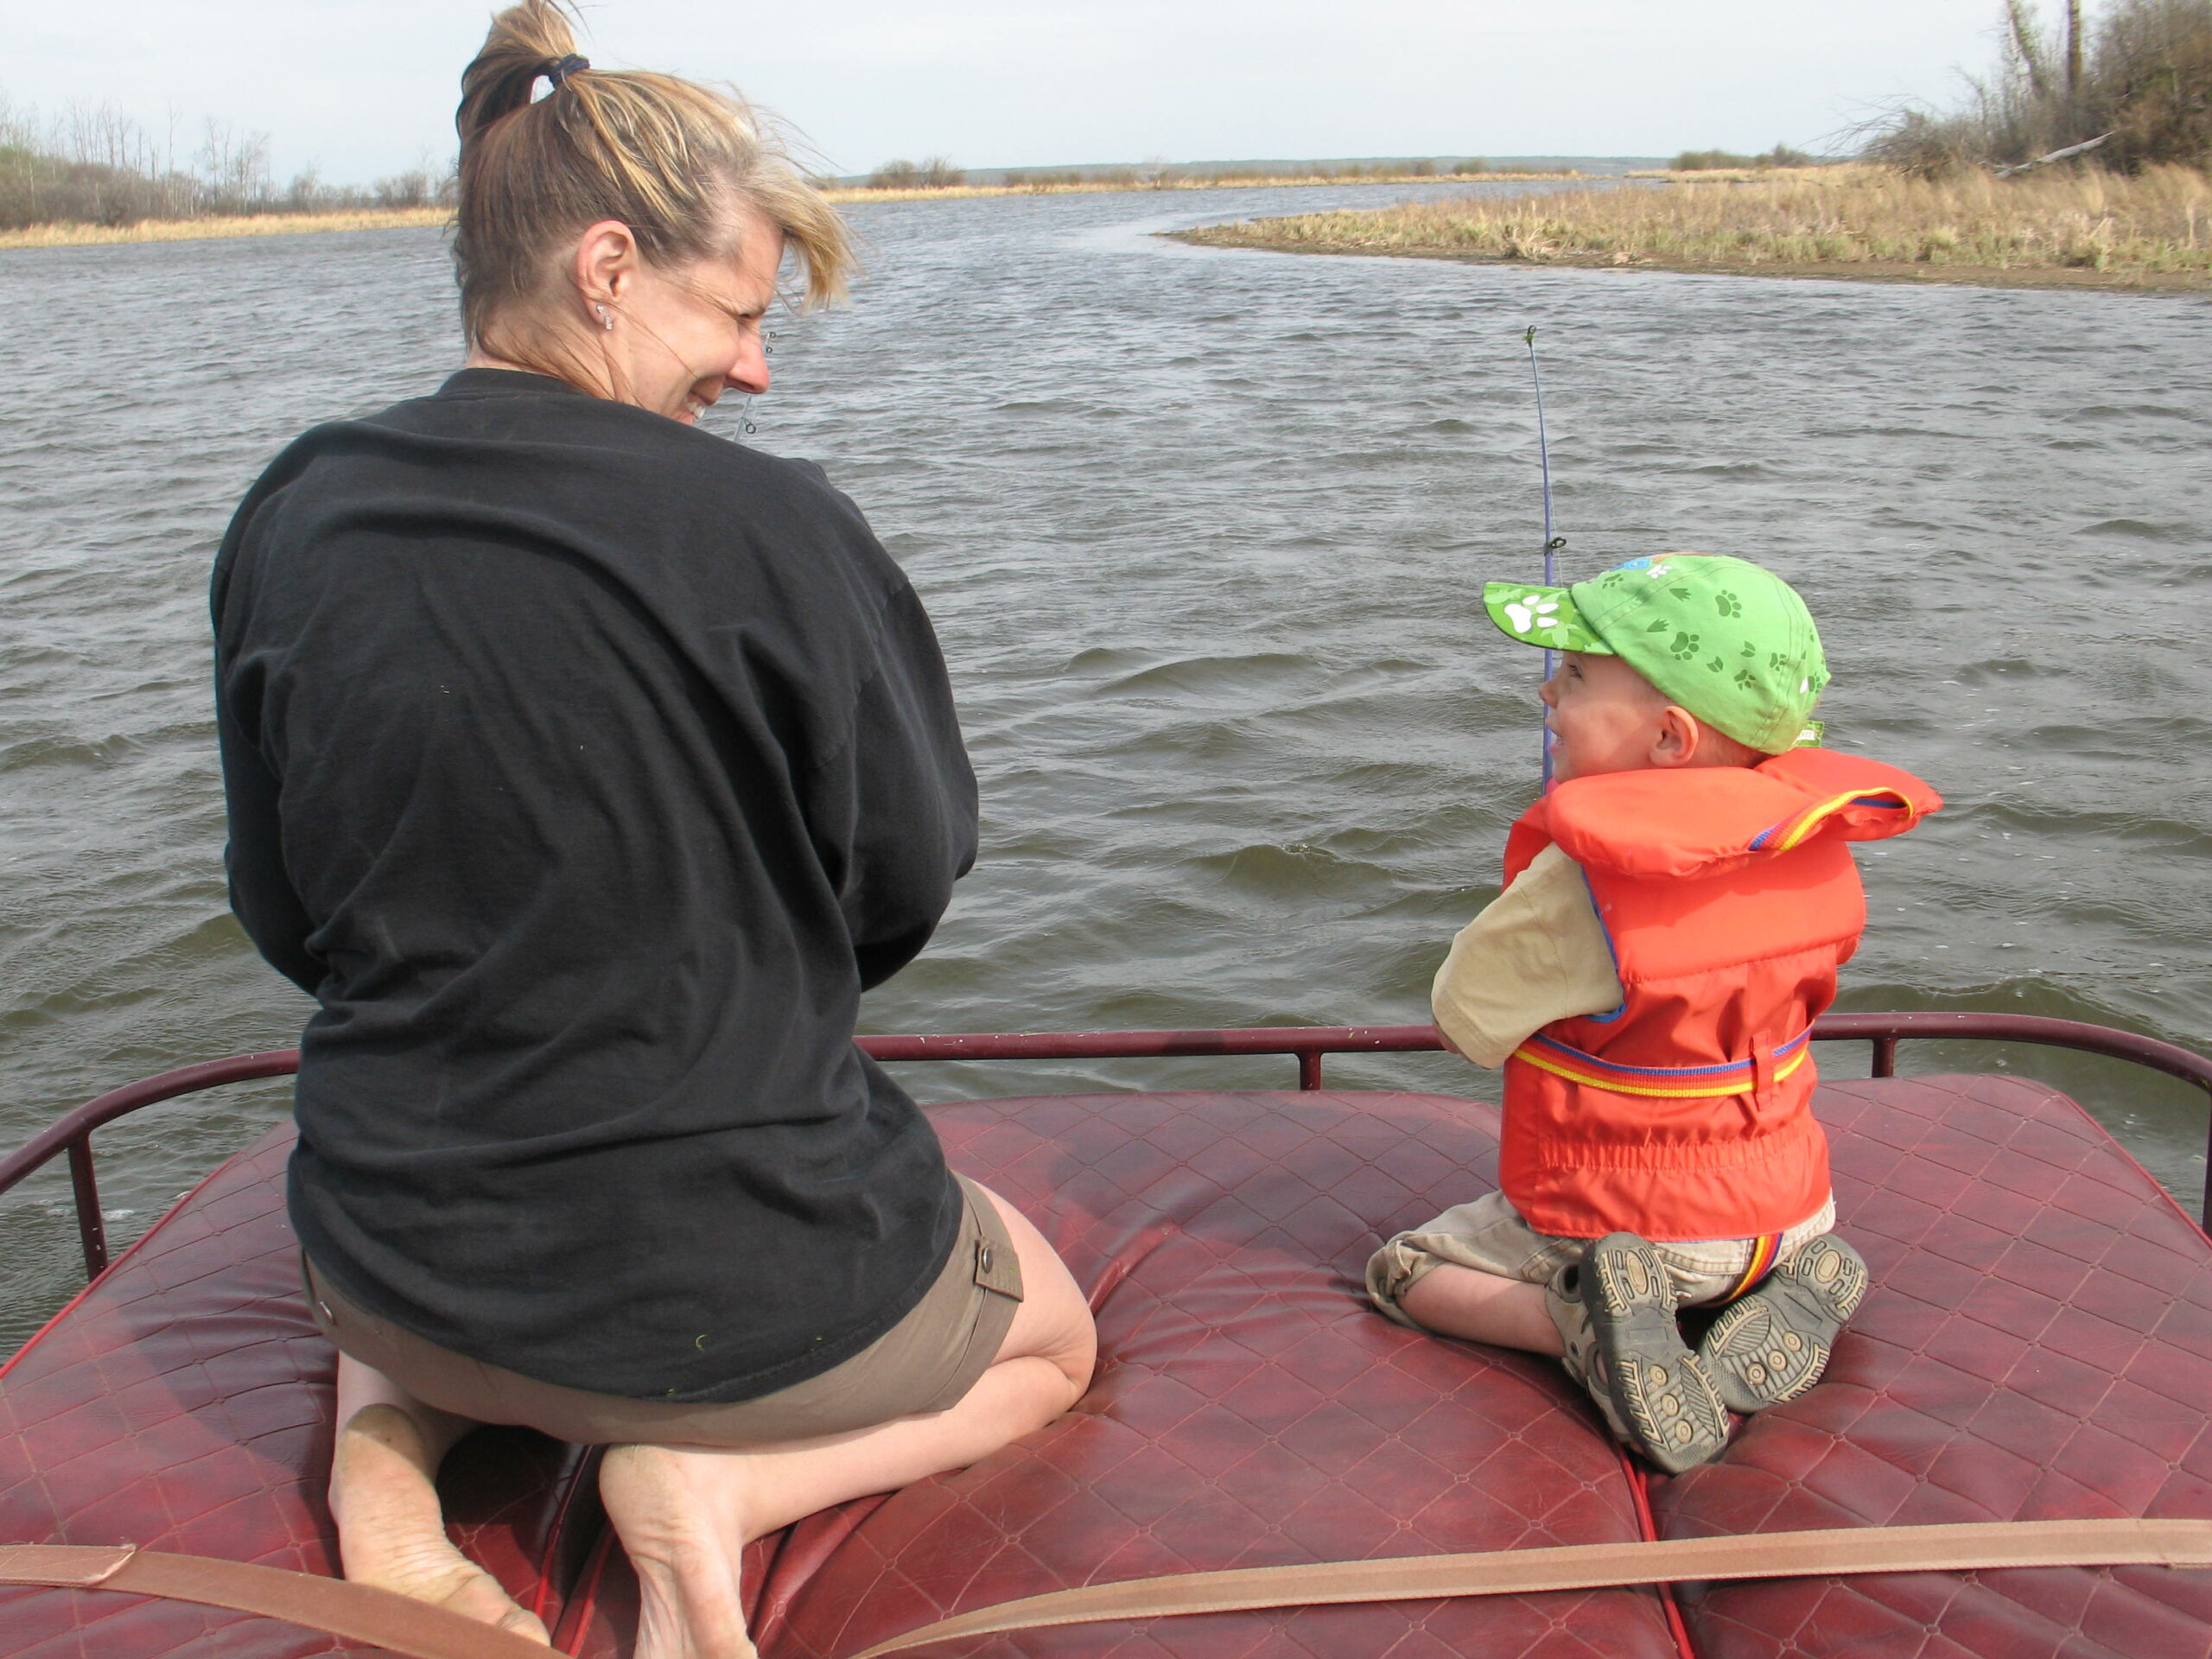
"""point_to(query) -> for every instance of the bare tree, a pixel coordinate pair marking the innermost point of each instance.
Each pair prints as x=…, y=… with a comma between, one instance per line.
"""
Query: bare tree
x=234, y=166
x=2128, y=90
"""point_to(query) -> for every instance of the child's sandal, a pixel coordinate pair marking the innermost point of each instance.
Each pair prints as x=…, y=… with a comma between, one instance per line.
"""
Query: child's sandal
x=1659, y=1390
x=1582, y=1361
x=1772, y=1344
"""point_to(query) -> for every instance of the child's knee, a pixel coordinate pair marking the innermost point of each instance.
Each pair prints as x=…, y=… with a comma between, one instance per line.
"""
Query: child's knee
x=1396, y=1272
x=1487, y=1236
x=1484, y=1246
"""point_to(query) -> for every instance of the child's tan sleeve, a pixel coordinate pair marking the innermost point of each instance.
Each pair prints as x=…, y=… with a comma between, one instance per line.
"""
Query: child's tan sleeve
x=1537, y=954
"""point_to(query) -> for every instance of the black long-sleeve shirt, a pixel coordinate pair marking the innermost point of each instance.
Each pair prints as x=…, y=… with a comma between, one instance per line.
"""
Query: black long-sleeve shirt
x=586, y=768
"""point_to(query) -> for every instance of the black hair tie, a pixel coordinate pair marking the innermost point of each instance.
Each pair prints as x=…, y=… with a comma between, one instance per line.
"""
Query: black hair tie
x=560, y=72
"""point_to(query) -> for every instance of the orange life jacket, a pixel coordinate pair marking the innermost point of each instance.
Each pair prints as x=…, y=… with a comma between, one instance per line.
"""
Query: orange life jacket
x=1730, y=900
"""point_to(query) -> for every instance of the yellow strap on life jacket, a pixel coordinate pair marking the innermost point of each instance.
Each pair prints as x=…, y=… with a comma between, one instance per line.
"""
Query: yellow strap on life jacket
x=1664, y=1082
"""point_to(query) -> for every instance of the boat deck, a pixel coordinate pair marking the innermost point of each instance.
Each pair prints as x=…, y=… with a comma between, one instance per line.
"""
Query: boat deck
x=2038, y=1344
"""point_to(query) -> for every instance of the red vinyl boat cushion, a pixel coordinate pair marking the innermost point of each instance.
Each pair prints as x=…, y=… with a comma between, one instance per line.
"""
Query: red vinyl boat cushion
x=1250, y=1408
x=2037, y=1344
x=184, y=1404
x=2036, y=1336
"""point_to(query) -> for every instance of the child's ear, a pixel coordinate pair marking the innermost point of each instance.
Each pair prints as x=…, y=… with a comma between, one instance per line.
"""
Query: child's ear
x=1675, y=738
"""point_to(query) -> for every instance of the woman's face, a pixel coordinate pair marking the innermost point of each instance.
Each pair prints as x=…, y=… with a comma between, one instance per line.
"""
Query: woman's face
x=671, y=340
x=680, y=339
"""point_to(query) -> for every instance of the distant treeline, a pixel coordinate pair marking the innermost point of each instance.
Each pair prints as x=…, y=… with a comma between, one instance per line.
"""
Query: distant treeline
x=2126, y=89
x=935, y=174
x=1718, y=161
x=92, y=165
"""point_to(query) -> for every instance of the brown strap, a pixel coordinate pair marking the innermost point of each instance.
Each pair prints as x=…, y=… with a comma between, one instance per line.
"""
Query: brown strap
x=354, y=1612
x=1841, y=1550
x=358, y=1612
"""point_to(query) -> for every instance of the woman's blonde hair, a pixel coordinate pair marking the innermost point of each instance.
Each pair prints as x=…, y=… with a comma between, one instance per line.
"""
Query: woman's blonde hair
x=665, y=156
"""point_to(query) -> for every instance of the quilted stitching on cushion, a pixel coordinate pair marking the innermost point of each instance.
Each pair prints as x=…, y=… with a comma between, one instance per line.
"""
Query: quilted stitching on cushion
x=2037, y=1343
x=184, y=1405
x=1251, y=1409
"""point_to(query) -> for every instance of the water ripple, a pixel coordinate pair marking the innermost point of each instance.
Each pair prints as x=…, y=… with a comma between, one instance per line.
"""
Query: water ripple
x=1202, y=534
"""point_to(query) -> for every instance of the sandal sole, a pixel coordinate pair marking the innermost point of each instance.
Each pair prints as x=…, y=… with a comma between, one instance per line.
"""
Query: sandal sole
x=1676, y=1411
x=1774, y=1344
x=1658, y=1386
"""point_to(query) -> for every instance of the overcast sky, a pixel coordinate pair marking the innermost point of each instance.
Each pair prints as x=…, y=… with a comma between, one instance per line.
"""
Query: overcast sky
x=363, y=87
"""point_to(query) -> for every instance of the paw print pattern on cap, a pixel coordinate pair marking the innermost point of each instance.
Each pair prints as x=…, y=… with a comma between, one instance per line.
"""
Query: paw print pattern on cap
x=1539, y=616
x=1533, y=613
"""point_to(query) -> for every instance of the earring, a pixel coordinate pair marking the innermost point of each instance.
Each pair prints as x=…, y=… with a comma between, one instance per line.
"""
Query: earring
x=605, y=318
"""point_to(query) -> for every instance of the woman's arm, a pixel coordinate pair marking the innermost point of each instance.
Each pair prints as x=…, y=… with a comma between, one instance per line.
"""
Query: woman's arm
x=894, y=812
x=261, y=894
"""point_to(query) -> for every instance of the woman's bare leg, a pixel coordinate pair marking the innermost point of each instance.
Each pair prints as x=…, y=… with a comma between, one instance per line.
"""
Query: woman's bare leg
x=383, y=1495
x=685, y=1513
x=1456, y=1301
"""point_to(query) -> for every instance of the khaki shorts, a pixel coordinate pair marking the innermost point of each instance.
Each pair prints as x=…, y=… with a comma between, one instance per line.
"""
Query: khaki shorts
x=1489, y=1236
x=925, y=1363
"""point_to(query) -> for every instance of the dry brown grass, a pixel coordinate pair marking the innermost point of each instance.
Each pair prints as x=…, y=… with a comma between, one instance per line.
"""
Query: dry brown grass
x=2153, y=230
x=198, y=229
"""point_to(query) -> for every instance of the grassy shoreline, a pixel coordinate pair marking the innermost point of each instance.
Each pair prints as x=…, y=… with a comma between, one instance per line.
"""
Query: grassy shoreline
x=193, y=230
x=215, y=228
x=2149, y=234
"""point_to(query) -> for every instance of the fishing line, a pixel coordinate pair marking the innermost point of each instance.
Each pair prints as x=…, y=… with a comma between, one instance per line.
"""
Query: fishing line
x=1552, y=544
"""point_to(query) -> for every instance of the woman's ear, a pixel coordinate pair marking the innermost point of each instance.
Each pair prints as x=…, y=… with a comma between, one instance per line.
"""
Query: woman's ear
x=1675, y=737
x=606, y=263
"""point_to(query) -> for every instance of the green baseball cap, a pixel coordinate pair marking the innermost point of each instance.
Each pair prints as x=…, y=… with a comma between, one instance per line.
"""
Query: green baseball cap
x=1726, y=639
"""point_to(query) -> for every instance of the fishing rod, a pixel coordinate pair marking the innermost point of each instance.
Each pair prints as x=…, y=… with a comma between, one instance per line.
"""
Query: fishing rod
x=1552, y=542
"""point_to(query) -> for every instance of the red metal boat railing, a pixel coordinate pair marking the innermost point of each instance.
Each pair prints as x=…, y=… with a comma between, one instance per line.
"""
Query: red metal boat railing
x=72, y=1133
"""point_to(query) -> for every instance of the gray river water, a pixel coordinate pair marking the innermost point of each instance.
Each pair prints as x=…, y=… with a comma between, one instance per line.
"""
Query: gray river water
x=1202, y=534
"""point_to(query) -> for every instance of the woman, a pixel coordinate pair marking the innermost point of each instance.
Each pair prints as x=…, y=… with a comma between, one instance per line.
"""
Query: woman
x=586, y=768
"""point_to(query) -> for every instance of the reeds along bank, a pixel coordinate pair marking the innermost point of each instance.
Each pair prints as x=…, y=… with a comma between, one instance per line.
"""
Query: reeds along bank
x=2159, y=220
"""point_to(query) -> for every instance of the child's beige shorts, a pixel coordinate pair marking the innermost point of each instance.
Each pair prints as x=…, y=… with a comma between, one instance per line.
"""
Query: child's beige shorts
x=1489, y=1236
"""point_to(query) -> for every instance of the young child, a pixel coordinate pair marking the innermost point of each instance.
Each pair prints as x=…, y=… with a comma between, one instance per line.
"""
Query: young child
x=1675, y=910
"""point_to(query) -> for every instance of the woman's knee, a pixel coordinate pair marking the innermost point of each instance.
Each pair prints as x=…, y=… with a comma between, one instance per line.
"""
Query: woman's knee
x=1053, y=1322
x=362, y=1388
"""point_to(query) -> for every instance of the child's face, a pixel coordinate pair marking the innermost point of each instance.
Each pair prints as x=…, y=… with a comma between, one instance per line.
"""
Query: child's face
x=1604, y=717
